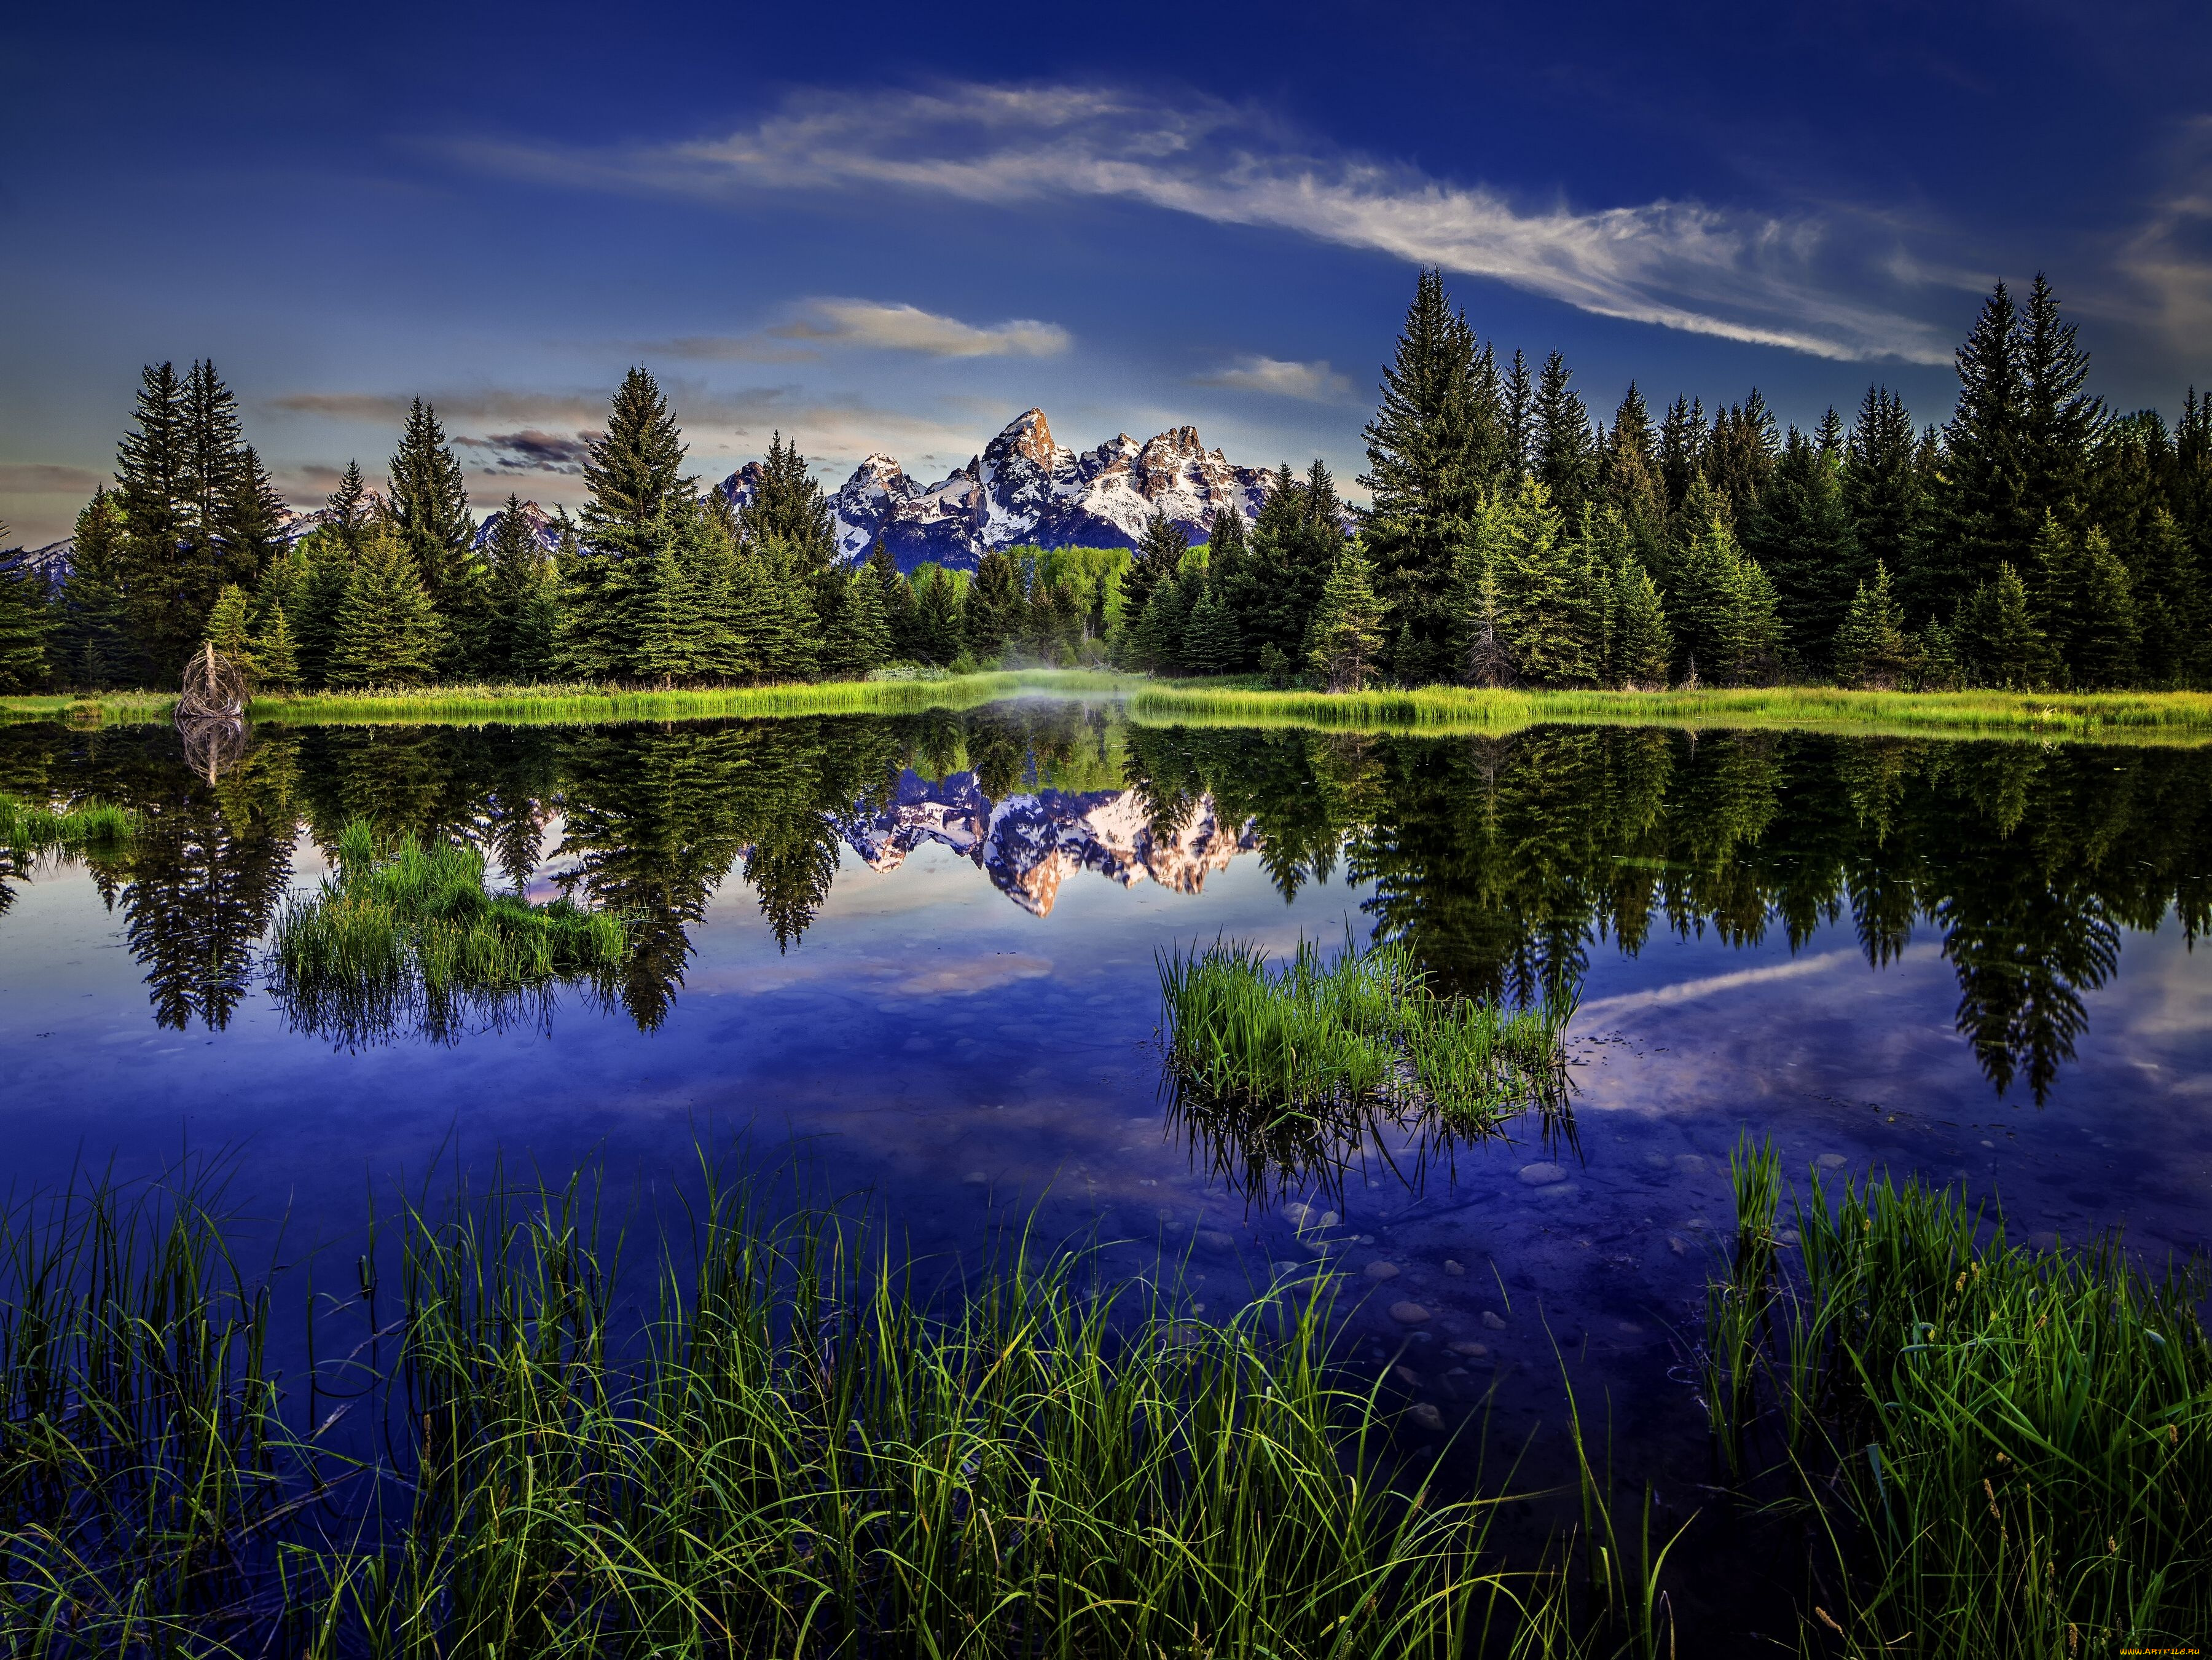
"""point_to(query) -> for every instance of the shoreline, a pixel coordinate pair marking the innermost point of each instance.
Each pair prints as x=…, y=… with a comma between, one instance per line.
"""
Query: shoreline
x=2181, y=718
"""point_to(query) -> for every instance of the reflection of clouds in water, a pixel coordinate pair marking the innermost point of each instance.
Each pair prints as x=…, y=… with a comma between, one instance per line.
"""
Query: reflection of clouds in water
x=1714, y=985
x=882, y=976
x=2167, y=996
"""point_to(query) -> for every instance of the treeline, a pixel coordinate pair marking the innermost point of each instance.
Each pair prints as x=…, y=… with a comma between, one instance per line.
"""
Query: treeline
x=2036, y=539
x=653, y=582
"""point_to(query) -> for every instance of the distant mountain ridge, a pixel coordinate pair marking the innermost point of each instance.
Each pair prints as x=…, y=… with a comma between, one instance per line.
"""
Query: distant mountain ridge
x=1027, y=488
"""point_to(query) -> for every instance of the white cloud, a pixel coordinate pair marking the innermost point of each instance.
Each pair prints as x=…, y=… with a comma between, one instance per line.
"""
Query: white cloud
x=1755, y=277
x=1317, y=383
x=909, y=328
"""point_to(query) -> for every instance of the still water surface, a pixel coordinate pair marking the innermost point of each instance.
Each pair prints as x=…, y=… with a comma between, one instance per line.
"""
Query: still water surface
x=914, y=958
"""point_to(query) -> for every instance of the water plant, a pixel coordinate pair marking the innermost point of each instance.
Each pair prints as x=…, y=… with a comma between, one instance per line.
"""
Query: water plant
x=792, y=1450
x=30, y=828
x=1314, y=1037
x=413, y=933
x=2005, y=1451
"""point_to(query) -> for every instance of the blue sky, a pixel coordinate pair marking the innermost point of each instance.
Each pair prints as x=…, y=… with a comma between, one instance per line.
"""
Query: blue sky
x=894, y=228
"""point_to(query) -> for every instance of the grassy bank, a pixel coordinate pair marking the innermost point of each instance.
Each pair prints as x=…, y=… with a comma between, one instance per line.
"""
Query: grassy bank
x=29, y=828
x=2101, y=717
x=2007, y=1451
x=565, y=705
x=90, y=707
x=788, y=1453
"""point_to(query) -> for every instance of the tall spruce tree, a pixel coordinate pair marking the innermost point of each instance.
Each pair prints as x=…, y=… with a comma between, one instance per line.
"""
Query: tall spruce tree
x=861, y=639
x=215, y=489
x=2059, y=423
x=1800, y=533
x=1640, y=644
x=276, y=653
x=253, y=521
x=387, y=629
x=428, y=507
x=1211, y=644
x=1517, y=397
x=1158, y=557
x=1346, y=635
x=95, y=646
x=517, y=556
x=991, y=614
x=1436, y=443
x=937, y=616
x=24, y=623
x=1740, y=452
x=1682, y=450
x=1998, y=636
x=2107, y=636
x=617, y=600
x=152, y=471
x=1565, y=459
x=1883, y=495
x=1987, y=516
x=788, y=506
x=895, y=597
x=1870, y=647
x=1629, y=475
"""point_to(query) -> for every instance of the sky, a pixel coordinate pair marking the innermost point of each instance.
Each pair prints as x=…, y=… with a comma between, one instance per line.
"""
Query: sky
x=896, y=228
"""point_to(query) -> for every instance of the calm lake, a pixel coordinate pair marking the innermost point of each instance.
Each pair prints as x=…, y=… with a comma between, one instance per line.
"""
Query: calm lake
x=912, y=958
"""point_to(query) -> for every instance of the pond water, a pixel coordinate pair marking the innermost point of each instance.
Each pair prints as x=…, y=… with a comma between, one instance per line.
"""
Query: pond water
x=915, y=957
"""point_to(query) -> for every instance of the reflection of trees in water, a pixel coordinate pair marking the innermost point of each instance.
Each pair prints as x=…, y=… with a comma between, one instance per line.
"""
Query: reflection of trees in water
x=1503, y=859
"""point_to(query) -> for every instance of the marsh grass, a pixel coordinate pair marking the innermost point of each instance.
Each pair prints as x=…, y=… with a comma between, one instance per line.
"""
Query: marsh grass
x=585, y=704
x=2005, y=1452
x=1315, y=1037
x=2176, y=717
x=410, y=935
x=28, y=829
x=790, y=1451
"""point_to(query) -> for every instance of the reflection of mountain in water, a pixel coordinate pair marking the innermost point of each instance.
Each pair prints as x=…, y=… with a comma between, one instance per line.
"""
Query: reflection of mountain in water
x=1030, y=843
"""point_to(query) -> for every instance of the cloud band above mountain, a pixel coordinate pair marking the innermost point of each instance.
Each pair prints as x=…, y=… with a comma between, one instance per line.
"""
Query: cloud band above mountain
x=1758, y=278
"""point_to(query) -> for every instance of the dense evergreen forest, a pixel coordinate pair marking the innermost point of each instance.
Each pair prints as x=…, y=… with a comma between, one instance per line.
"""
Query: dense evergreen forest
x=2036, y=539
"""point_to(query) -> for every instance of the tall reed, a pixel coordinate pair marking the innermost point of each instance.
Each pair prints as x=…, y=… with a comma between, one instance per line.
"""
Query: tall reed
x=30, y=828
x=2008, y=1451
x=794, y=1451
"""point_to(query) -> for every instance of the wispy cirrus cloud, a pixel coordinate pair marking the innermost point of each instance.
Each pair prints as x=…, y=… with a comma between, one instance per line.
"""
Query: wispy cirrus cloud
x=1781, y=280
x=531, y=450
x=872, y=324
x=1315, y=383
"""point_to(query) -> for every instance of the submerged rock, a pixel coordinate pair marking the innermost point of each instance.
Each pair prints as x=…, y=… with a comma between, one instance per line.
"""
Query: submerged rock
x=1542, y=1175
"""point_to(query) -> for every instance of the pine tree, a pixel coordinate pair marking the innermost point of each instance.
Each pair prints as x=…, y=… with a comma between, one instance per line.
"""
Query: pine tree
x=2054, y=597
x=25, y=622
x=1565, y=459
x=428, y=507
x=1883, y=496
x=153, y=469
x=2000, y=641
x=1210, y=641
x=861, y=639
x=1158, y=558
x=991, y=613
x=516, y=555
x=1542, y=611
x=2170, y=604
x=2106, y=638
x=214, y=485
x=330, y=561
x=1233, y=573
x=1740, y=452
x=895, y=597
x=2059, y=423
x=387, y=630
x=663, y=617
x=1518, y=399
x=1436, y=443
x=937, y=616
x=1870, y=649
x=1479, y=613
x=1155, y=643
x=1641, y=643
x=1681, y=450
x=95, y=647
x=1986, y=520
x=788, y=506
x=276, y=653
x=1708, y=586
x=229, y=628
x=1347, y=627
x=347, y=510
x=253, y=521
x=1800, y=531
x=1629, y=476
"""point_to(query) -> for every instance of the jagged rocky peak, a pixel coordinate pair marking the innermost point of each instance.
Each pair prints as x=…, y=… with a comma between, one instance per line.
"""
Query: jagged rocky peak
x=1026, y=486
x=540, y=521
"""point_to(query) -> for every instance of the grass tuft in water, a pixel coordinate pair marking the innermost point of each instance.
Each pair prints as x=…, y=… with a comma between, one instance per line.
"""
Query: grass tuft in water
x=413, y=932
x=1317, y=1036
x=31, y=828
x=2008, y=1451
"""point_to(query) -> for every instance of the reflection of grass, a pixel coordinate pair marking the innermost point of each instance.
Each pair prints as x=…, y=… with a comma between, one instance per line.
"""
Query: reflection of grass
x=2011, y=1451
x=792, y=1455
x=414, y=931
x=585, y=704
x=1311, y=1036
x=2177, y=717
x=31, y=827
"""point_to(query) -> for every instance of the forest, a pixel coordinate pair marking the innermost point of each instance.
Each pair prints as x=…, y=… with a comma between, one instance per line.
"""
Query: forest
x=2036, y=540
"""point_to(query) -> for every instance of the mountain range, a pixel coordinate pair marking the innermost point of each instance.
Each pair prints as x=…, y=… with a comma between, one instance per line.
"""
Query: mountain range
x=1027, y=489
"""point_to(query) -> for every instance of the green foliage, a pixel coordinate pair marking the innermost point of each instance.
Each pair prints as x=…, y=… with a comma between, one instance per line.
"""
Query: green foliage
x=937, y=616
x=386, y=631
x=274, y=654
x=1364, y=1030
x=991, y=609
x=429, y=508
x=858, y=638
x=26, y=620
x=1998, y=635
x=1210, y=642
x=1639, y=643
x=229, y=628
x=2007, y=1445
x=95, y=647
x=30, y=828
x=1871, y=649
x=1725, y=627
x=1155, y=643
x=1346, y=637
x=788, y=508
x=1800, y=534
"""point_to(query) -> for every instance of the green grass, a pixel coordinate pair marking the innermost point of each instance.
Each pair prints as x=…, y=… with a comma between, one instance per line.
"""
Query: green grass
x=96, y=708
x=1315, y=1037
x=2007, y=1451
x=576, y=704
x=410, y=933
x=788, y=1453
x=2102, y=717
x=30, y=828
